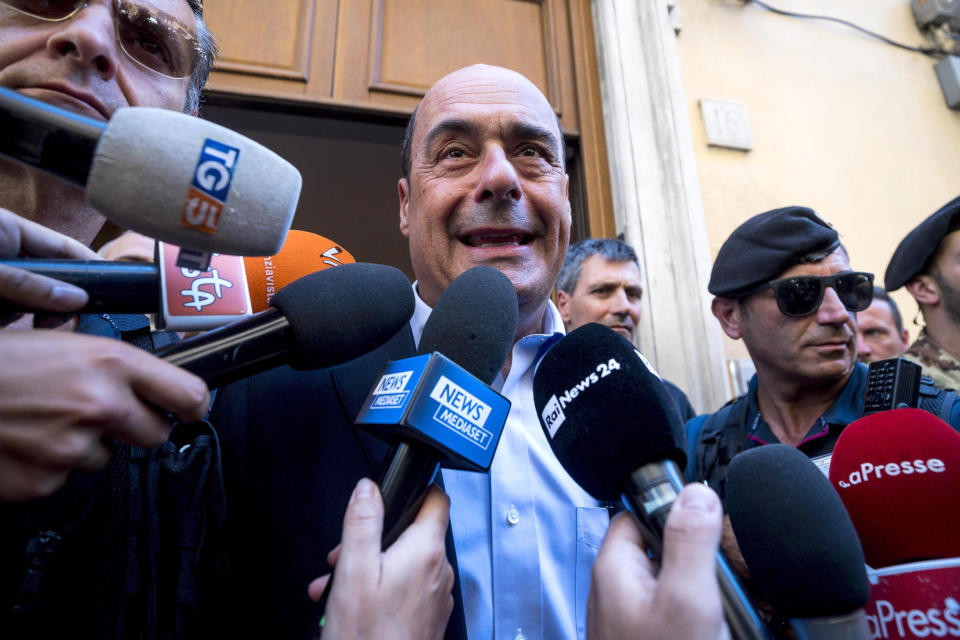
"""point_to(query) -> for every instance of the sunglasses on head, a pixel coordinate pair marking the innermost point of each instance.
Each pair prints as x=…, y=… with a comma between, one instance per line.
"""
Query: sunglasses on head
x=801, y=295
x=149, y=37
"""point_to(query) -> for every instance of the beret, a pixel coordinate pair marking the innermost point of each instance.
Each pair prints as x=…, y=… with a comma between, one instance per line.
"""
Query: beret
x=765, y=246
x=914, y=252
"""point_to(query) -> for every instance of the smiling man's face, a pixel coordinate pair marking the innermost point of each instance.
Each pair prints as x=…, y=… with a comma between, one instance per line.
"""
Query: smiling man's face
x=487, y=184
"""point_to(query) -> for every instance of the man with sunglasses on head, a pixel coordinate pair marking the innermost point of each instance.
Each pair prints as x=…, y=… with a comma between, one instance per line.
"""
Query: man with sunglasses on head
x=74, y=408
x=784, y=285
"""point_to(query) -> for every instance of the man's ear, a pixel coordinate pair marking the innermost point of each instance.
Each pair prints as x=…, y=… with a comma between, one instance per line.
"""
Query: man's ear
x=924, y=289
x=563, y=306
x=403, y=193
x=905, y=338
x=727, y=311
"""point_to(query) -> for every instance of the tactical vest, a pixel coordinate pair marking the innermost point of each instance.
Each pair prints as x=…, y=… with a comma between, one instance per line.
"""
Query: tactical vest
x=724, y=434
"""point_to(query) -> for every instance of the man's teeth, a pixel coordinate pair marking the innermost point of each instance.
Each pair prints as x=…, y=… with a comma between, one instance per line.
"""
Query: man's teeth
x=494, y=241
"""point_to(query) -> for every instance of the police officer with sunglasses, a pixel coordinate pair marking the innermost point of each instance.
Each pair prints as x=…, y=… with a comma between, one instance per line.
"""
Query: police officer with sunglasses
x=784, y=285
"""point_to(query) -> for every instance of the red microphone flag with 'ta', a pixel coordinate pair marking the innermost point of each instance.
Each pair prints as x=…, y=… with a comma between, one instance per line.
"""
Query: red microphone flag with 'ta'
x=898, y=473
x=302, y=253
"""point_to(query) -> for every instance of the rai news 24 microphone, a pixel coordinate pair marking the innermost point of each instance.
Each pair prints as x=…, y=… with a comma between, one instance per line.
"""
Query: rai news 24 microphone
x=611, y=423
x=187, y=299
x=323, y=319
x=437, y=406
x=798, y=542
x=165, y=174
x=898, y=474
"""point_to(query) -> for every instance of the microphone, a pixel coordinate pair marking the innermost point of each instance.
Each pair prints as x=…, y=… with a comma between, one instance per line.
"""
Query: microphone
x=438, y=406
x=799, y=542
x=610, y=421
x=189, y=299
x=323, y=319
x=167, y=175
x=898, y=474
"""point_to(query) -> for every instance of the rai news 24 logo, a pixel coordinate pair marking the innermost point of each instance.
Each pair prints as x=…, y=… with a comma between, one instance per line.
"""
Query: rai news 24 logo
x=210, y=186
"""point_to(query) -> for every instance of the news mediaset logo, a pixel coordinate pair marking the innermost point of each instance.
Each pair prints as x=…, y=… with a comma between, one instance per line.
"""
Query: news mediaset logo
x=210, y=186
x=869, y=471
x=391, y=390
x=461, y=412
x=552, y=414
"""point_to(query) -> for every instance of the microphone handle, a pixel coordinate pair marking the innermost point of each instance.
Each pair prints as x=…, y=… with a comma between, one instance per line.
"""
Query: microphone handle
x=650, y=492
x=113, y=287
x=238, y=350
x=48, y=138
x=403, y=485
x=852, y=626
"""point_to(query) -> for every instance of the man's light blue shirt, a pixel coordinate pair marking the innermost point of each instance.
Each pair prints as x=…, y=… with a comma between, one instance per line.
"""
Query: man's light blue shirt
x=526, y=534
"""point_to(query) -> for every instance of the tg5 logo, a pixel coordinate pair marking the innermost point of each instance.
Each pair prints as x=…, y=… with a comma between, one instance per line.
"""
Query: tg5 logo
x=210, y=187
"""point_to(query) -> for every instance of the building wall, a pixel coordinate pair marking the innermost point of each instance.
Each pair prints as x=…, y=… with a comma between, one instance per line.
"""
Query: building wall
x=841, y=122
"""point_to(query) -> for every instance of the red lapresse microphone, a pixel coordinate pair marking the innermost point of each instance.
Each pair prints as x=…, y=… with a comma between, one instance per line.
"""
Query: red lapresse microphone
x=898, y=473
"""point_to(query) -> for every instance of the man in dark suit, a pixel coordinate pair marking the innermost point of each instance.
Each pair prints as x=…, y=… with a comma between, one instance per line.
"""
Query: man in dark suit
x=484, y=184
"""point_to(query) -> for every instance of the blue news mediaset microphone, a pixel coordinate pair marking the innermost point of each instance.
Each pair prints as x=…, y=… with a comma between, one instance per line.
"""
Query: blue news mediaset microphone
x=611, y=423
x=437, y=406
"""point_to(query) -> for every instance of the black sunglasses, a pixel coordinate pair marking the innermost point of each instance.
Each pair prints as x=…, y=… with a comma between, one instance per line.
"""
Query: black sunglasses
x=151, y=38
x=801, y=295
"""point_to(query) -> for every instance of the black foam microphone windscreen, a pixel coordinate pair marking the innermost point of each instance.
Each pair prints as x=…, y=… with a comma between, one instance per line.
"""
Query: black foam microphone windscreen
x=611, y=422
x=795, y=534
x=474, y=322
x=612, y=412
x=322, y=319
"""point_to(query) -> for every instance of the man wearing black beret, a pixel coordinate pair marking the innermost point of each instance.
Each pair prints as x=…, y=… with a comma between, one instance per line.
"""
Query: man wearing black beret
x=927, y=262
x=784, y=285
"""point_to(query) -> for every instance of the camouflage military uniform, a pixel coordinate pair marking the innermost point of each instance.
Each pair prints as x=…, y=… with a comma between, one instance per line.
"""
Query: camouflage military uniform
x=936, y=363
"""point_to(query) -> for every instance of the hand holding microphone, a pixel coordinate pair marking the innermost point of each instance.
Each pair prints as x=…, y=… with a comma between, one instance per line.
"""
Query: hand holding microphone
x=611, y=422
x=402, y=592
x=24, y=290
x=629, y=602
x=61, y=393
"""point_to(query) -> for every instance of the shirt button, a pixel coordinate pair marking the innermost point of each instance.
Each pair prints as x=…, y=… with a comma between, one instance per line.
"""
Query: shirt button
x=513, y=517
x=519, y=635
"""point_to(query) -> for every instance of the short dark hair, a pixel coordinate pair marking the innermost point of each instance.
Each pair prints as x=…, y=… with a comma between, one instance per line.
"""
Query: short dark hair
x=610, y=249
x=879, y=293
x=407, y=141
x=208, y=54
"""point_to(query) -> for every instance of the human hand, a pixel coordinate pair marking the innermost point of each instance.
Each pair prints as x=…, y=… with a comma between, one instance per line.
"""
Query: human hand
x=403, y=593
x=628, y=602
x=61, y=393
x=21, y=289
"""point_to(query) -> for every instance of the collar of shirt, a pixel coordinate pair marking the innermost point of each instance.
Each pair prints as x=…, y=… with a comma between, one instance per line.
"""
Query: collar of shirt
x=846, y=407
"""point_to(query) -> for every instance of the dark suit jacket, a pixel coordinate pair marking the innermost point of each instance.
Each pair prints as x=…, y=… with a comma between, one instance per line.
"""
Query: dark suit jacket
x=291, y=458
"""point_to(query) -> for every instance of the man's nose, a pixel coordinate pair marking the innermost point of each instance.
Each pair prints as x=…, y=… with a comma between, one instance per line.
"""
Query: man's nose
x=88, y=39
x=831, y=309
x=498, y=179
